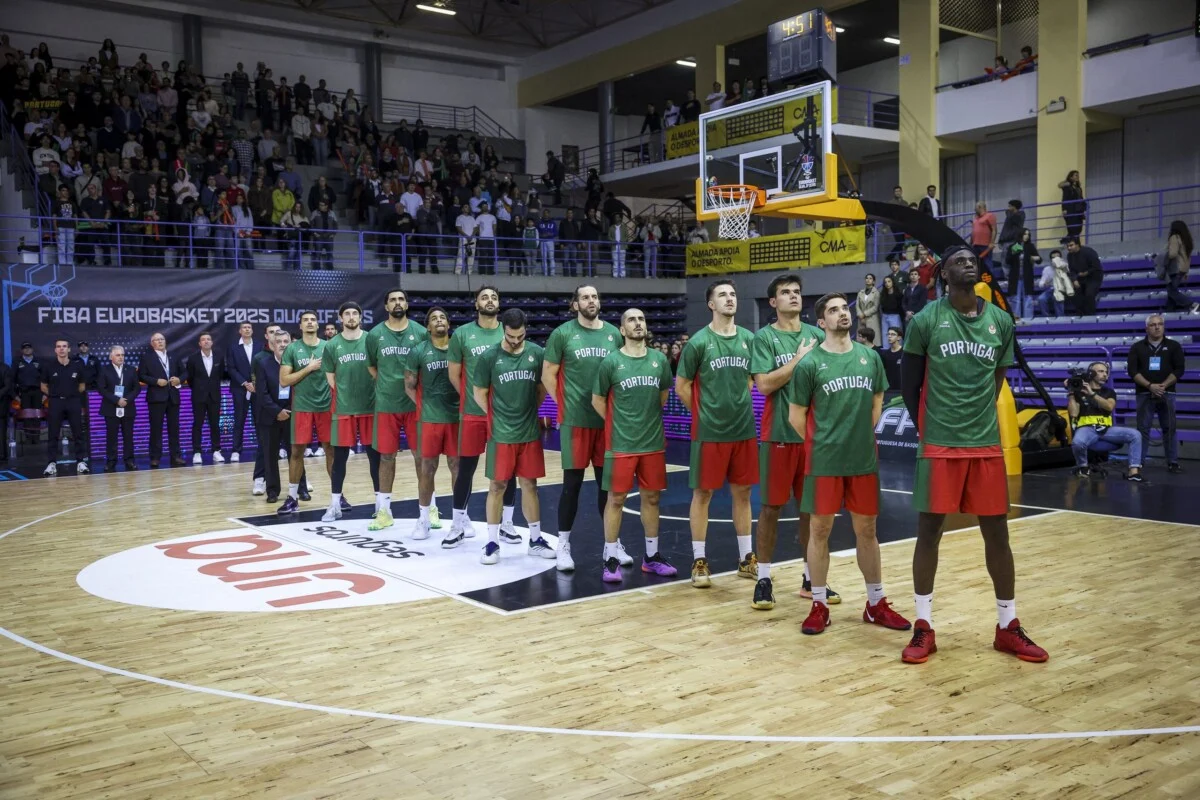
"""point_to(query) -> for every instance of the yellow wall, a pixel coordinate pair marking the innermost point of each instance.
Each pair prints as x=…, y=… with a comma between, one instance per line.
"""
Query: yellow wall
x=919, y=151
x=1061, y=137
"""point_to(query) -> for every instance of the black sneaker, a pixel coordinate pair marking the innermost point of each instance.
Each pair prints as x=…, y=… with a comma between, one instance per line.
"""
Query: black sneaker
x=1135, y=477
x=290, y=506
x=1082, y=472
x=303, y=494
x=1175, y=469
x=831, y=597
x=764, y=595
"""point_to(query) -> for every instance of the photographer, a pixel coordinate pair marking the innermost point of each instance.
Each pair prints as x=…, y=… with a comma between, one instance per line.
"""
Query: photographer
x=1090, y=405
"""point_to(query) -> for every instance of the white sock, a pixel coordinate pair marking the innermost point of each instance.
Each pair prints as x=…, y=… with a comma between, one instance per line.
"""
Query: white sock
x=433, y=499
x=821, y=595
x=294, y=491
x=422, y=513
x=610, y=550
x=745, y=546
x=535, y=530
x=507, y=518
x=764, y=570
x=874, y=593
x=335, y=501
x=564, y=537
x=924, y=604
x=383, y=502
x=807, y=574
x=697, y=549
x=651, y=546
x=493, y=533
x=460, y=518
x=1006, y=611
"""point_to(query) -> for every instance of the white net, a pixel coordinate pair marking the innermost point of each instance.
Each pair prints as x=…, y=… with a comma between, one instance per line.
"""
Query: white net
x=735, y=205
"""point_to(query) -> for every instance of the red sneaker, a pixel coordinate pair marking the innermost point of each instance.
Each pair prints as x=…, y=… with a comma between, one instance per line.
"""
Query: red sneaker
x=921, y=646
x=1014, y=640
x=881, y=614
x=817, y=621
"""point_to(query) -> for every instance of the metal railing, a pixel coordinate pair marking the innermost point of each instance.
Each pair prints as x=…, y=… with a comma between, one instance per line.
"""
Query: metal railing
x=20, y=165
x=435, y=115
x=1109, y=218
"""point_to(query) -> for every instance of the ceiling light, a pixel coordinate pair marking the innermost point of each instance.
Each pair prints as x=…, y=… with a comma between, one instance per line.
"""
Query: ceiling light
x=450, y=12
x=839, y=29
x=888, y=39
x=685, y=63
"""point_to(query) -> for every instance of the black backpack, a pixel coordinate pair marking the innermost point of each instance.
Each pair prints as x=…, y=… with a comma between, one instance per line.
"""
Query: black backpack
x=1038, y=432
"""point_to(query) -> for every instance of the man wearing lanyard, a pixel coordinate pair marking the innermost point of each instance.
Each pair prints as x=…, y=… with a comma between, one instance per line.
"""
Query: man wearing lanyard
x=64, y=383
x=238, y=361
x=118, y=386
x=273, y=403
x=1156, y=364
x=161, y=378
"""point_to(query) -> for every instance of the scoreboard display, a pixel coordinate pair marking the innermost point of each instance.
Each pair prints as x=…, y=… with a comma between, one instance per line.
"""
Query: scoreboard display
x=802, y=47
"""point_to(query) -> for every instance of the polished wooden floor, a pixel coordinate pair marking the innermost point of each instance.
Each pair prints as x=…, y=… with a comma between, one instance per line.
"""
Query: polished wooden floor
x=1114, y=600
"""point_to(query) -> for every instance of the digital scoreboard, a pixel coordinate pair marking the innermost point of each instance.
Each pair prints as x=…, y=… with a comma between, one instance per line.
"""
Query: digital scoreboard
x=802, y=48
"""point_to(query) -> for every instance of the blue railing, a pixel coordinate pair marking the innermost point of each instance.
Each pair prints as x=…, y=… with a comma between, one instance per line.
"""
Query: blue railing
x=19, y=162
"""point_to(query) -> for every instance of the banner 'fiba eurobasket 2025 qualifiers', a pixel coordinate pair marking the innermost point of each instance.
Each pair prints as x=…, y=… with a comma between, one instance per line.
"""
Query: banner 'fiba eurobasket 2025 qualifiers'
x=788, y=251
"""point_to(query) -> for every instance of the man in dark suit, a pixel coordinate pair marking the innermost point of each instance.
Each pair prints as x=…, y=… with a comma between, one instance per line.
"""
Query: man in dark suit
x=118, y=385
x=272, y=408
x=204, y=370
x=930, y=204
x=238, y=364
x=162, y=381
x=89, y=365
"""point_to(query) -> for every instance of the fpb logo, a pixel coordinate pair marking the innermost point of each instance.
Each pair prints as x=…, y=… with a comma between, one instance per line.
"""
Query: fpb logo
x=897, y=419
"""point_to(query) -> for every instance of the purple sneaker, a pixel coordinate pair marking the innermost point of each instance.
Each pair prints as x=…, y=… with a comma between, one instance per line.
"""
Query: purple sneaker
x=612, y=571
x=657, y=565
x=346, y=505
x=290, y=506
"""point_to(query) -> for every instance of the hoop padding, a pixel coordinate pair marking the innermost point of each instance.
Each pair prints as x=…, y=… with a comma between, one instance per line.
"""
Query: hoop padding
x=735, y=203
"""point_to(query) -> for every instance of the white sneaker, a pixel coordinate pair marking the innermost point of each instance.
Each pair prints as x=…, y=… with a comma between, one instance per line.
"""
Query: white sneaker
x=51, y=470
x=82, y=468
x=283, y=452
x=453, y=539
x=308, y=452
x=260, y=486
x=319, y=452
x=563, y=557
x=234, y=457
x=332, y=514
x=308, y=487
x=217, y=457
x=540, y=548
x=197, y=459
x=422, y=530
x=508, y=533
x=491, y=554
x=624, y=558
x=468, y=528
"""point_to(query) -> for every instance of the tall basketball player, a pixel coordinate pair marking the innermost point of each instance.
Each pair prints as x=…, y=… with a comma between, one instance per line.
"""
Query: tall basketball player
x=956, y=354
x=713, y=381
x=629, y=392
x=573, y=355
x=427, y=381
x=301, y=372
x=345, y=364
x=388, y=346
x=836, y=400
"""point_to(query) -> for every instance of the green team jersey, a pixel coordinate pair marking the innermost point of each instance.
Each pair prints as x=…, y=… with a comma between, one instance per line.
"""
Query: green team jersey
x=719, y=368
x=839, y=390
x=962, y=355
x=439, y=401
x=387, y=352
x=771, y=349
x=578, y=351
x=633, y=386
x=312, y=393
x=355, y=388
x=512, y=381
x=466, y=345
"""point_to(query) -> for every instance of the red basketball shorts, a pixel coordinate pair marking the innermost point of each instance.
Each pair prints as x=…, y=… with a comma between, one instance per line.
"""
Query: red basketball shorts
x=714, y=463
x=388, y=425
x=506, y=461
x=781, y=471
x=621, y=469
x=971, y=485
x=827, y=495
x=472, y=436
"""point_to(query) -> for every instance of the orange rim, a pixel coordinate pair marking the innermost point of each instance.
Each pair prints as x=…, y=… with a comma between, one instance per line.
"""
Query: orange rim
x=738, y=191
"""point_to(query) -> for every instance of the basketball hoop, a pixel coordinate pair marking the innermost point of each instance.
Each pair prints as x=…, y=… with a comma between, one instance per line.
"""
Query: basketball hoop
x=734, y=203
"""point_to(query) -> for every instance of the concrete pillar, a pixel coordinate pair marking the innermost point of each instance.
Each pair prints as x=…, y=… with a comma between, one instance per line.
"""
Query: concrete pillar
x=373, y=79
x=1061, y=136
x=193, y=41
x=605, y=104
x=920, y=155
x=710, y=66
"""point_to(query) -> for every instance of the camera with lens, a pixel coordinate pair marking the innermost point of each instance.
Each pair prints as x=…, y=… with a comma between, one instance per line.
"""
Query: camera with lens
x=1076, y=378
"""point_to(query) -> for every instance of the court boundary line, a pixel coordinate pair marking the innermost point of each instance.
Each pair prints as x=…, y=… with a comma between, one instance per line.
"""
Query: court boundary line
x=514, y=728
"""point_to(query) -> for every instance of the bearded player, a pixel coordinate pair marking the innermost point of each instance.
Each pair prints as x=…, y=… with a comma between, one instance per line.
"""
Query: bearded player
x=301, y=372
x=345, y=364
x=427, y=382
x=956, y=354
x=573, y=355
x=713, y=381
x=629, y=392
x=836, y=400
x=507, y=382
x=389, y=345
x=468, y=343
x=776, y=351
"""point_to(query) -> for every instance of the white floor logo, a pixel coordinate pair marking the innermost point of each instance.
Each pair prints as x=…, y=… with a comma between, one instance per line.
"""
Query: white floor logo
x=301, y=566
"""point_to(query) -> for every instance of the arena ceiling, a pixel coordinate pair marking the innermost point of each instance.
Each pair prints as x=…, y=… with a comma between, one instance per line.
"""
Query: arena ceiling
x=531, y=25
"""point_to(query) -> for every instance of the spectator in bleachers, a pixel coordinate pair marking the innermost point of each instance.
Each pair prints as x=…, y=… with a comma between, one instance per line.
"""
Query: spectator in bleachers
x=1074, y=206
x=983, y=235
x=1156, y=365
x=927, y=266
x=1020, y=257
x=735, y=94
x=671, y=114
x=1087, y=275
x=891, y=302
x=691, y=107
x=1010, y=233
x=716, y=98
x=652, y=128
x=569, y=234
x=916, y=295
x=1054, y=286
x=547, y=230
x=1027, y=63
x=867, y=307
x=1176, y=263
x=1090, y=409
x=554, y=176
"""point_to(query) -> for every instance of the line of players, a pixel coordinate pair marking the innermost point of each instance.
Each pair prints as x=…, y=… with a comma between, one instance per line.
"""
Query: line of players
x=479, y=390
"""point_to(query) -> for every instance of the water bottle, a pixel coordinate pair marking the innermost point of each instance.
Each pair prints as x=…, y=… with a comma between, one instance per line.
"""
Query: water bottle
x=66, y=450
